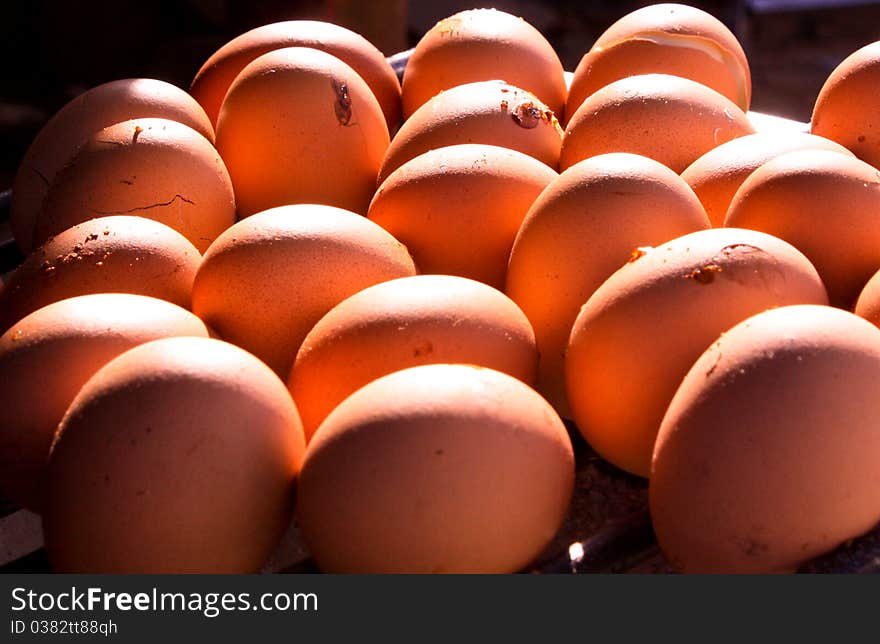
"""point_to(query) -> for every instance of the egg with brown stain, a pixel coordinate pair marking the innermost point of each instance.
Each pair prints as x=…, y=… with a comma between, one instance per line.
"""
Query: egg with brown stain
x=265, y=282
x=403, y=323
x=639, y=333
x=458, y=208
x=478, y=45
x=118, y=254
x=178, y=456
x=49, y=355
x=88, y=113
x=585, y=225
x=846, y=109
x=436, y=469
x=716, y=176
x=154, y=168
x=490, y=112
x=673, y=120
x=300, y=126
x=212, y=81
x=824, y=203
x=767, y=456
x=665, y=38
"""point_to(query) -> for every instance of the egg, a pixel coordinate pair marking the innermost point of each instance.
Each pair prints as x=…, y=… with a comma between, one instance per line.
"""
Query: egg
x=490, y=112
x=673, y=120
x=716, y=175
x=154, y=168
x=199, y=478
x=585, y=225
x=824, y=203
x=868, y=303
x=214, y=78
x=120, y=253
x=478, y=45
x=458, y=208
x=665, y=39
x=847, y=110
x=300, y=126
x=767, y=456
x=47, y=357
x=265, y=282
x=89, y=112
x=404, y=323
x=639, y=333
x=436, y=469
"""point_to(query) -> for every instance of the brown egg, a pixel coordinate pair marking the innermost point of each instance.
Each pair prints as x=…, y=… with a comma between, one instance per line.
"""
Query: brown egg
x=583, y=227
x=458, y=208
x=665, y=39
x=407, y=322
x=716, y=175
x=214, y=78
x=49, y=355
x=267, y=280
x=478, y=45
x=868, y=304
x=768, y=454
x=824, y=203
x=118, y=254
x=300, y=126
x=490, y=112
x=89, y=112
x=847, y=109
x=199, y=478
x=637, y=336
x=438, y=468
x=152, y=168
x=673, y=120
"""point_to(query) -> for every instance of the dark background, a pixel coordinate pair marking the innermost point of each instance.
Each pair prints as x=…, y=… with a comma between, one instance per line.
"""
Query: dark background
x=51, y=50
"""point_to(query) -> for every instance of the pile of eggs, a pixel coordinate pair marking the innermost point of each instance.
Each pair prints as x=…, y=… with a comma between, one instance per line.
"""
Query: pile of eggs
x=304, y=290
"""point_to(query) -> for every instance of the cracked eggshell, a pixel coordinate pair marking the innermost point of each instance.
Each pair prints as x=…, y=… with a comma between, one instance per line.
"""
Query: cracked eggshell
x=639, y=333
x=458, y=208
x=300, y=126
x=824, y=203
x=47, y=357
x=490, y=112
x=847, y=110
x=154, y=168
x=665, y=39
x=89, y=112
x=212, y=81
x=119, y=254
x=584, y=226
x=769, y=454
x=179, y=456
x=716, y=176
x=673, y=120
x=479, y=45
x=437, y=468
x=404, y=323
x=265, y=282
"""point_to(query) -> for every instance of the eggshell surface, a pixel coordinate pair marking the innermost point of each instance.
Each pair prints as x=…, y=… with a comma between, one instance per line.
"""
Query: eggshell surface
x=434, y=469
x=117, y=254
x=47, y=357
x=179, y=456
x=458, y=208
x=300, y=126
x=768, y=455
x=639, y=333
x=265, y=282
x=478, y=45
x=404, y=323
x=585, y=225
